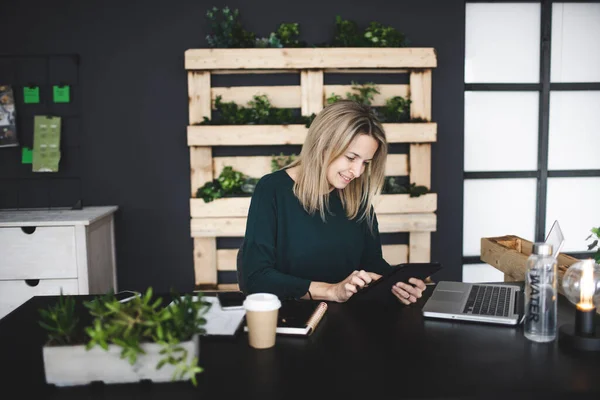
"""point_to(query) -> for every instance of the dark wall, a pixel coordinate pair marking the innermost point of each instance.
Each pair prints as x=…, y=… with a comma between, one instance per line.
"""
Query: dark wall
x=134, y=108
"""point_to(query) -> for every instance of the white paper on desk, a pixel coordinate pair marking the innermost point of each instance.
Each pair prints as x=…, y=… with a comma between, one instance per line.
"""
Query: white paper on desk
x=221, y=322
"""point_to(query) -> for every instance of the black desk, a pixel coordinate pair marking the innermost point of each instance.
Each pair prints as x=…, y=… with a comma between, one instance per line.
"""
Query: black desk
x=355, y=353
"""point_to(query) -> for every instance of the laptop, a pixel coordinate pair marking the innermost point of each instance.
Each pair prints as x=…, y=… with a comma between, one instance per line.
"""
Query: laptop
x=484, y=302
x=477, y=302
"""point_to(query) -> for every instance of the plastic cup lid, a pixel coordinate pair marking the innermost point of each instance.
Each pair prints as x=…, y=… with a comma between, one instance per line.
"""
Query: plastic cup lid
x=262, y=302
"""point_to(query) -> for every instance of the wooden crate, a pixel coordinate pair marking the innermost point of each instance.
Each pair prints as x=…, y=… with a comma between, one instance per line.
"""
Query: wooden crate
x=227, y=217
x=509, y=254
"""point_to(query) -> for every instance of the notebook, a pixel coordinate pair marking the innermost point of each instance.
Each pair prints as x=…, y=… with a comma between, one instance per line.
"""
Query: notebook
x=477, y=302
x=299, y=317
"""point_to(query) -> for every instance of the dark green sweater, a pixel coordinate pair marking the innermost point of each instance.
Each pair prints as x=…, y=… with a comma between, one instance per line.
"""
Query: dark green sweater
x=285, y=248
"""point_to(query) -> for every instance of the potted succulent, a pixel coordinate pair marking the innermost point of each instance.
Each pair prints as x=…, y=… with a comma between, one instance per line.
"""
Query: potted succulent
x=125, y=341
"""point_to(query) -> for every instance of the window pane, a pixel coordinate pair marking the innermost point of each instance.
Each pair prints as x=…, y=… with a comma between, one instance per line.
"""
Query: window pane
x=574, y=203
x=501, y=131
x=481, y=273
x=574, y=130
x=497, y=207
x=502, y=43
x=575, y=42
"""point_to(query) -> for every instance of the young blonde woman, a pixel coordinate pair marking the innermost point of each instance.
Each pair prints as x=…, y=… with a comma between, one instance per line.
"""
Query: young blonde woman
x=311, y=230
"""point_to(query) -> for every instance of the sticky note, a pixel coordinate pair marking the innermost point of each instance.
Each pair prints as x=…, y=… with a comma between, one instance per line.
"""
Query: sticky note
x=26, y=155
x=31, y=94
x=61, y=94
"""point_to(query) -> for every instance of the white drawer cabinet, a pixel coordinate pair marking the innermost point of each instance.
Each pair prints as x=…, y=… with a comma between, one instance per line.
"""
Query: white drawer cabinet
x=45, y=251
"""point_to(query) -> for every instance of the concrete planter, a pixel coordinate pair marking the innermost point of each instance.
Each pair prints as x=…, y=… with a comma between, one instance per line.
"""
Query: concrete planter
x=74, y=365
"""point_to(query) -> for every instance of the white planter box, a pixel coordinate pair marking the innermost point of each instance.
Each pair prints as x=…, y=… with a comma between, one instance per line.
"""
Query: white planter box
x=74, y=365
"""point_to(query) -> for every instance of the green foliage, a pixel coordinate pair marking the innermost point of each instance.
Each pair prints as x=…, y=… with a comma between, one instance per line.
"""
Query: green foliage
x=60, y=321
x=281, y=161
x=378, y=35
x=288, y=35
x=396, y=109
x=259, y=112
x=229, y=183
x=594, y=244
x=348, y=34
x=140, y=320
x=363, y=93
x=390, y=186
x=226, y=30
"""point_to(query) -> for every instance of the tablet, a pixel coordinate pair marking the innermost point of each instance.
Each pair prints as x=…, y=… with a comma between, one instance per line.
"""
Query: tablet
x=381, y=290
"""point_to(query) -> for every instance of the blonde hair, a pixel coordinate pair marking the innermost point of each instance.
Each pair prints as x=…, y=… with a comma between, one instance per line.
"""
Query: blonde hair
x=329, y=136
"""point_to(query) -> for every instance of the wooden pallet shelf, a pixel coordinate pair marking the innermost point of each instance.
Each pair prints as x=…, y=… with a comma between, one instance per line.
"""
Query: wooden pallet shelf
x=227, y=217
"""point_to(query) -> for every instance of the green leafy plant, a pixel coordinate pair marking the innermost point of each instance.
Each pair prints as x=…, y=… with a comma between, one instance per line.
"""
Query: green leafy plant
x=60, y=321
x=288, y=35
x=347, y=34
x=131, y=324
x=396, y=109
x=229, y=183
x=259, y=112
x=226, y=30
x=391, y=186
x=378, y=35
x=281, y=161
x=594, y=244
x=362, y=93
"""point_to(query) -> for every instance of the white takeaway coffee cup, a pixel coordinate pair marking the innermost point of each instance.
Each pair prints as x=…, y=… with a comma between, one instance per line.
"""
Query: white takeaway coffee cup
x=262, y=310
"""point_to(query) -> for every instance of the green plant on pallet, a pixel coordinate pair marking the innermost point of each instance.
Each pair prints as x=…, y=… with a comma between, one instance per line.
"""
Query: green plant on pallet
x=229, y=183
x=281, y=161
x=391, y=186
x=259, y=112
x=128, y=325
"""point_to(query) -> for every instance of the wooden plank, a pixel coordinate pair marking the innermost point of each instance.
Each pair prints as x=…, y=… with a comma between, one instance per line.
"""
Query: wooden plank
x=420, y=164
x=200, y=167
x=257, y=166
x=228, y=287
x=385, y=92
x=302, y=58
x=227, y=207
x=227, y=259
x=421, y=222
x=199, y=96
x=419, y=247
x=279, y=96
x=385, y=204
x=388, y=223
x=205, y=260
x=311, y=83
x=257, y=135
x=420, y=94
x=395, y=254
x=404, y=204
x=253, y=71
x=246, y=135
x=414, y=132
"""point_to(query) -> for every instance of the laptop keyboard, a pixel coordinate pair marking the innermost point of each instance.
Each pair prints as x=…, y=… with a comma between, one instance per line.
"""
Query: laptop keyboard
x=488, y=300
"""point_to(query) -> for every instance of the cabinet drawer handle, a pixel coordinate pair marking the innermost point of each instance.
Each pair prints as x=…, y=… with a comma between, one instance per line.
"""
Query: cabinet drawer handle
x=28, y=229
x=32, y=282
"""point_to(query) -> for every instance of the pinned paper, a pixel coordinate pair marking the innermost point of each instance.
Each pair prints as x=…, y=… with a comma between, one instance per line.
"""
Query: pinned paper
x=26, y=155
x=46, y=143
x=31, y=94
x=8, y=118
x=61, y=94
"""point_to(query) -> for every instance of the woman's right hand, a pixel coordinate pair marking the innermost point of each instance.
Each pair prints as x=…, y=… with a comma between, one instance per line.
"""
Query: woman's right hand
x=342, y=291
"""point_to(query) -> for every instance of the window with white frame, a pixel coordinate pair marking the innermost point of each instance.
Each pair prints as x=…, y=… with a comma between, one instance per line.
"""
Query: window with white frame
x=532, y=125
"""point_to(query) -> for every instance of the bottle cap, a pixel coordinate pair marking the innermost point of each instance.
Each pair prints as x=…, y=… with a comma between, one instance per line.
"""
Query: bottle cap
x=543, y=249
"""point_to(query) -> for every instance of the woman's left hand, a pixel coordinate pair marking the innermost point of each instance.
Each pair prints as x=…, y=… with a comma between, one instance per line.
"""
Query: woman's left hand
x=408, y=293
